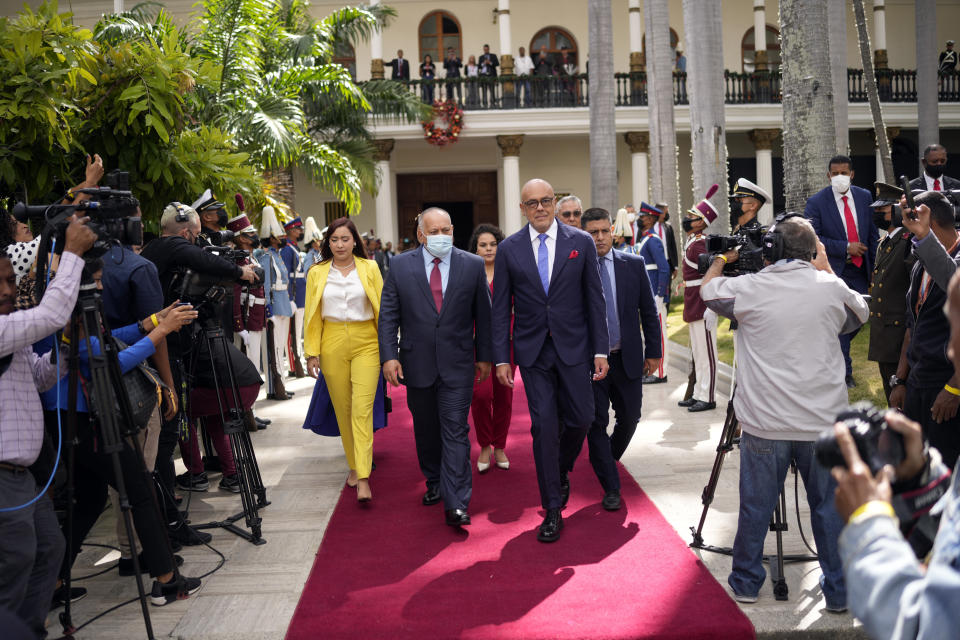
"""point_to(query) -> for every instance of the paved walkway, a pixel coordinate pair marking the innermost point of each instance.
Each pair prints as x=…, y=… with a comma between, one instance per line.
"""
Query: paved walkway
x=254, y=594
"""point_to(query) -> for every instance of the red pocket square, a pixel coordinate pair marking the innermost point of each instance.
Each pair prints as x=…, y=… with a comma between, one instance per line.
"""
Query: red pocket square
x=573, y=254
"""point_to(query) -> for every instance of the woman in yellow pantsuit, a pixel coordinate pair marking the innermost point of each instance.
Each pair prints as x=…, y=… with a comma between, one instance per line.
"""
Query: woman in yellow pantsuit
x=340, y=341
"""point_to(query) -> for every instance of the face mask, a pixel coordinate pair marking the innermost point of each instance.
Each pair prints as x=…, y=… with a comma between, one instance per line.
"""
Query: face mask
x=879, y=219
x=840, y=183
x=439, y=245
x=221, y=218
x=686, y=224
x=935, y=170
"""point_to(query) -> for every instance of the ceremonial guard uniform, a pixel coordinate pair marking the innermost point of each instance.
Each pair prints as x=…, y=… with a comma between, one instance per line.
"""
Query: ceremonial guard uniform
x=651, y=249
x=297, y=289
x=279, y=310
x=888, y=286
x=249, y=301
x=312, y=237
x=701, y=322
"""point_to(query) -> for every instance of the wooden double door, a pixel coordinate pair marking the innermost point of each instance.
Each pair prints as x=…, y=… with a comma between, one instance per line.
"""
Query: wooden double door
x=469, y=198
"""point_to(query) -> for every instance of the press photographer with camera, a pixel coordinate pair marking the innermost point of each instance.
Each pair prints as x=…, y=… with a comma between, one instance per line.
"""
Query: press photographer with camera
x=31, y=546
x=895, y=596
x=926, y=386
x=172, y=253
x=789, y=388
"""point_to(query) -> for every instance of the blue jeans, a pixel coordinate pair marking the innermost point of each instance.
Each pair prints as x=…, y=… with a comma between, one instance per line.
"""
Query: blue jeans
x=763, y=468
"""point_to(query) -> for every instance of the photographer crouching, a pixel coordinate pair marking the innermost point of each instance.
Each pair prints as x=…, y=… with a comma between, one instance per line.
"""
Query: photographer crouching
x=790, y=385
x=896, y=596
x=174, y=252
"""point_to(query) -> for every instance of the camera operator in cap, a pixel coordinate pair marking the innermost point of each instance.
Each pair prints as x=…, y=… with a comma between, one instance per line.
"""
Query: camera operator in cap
x=789, y=389
x=934, y=162
x=926, y=386
x=31, y=545
x=649, y=247
x=701, y=321
x=748, y=199
x=895, y=596
x=889, y=284
x=279, y=307
x=297, y=288
x=175, y=250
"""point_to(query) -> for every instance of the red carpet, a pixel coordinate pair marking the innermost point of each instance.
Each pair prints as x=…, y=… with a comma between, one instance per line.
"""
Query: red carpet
x=395, y=570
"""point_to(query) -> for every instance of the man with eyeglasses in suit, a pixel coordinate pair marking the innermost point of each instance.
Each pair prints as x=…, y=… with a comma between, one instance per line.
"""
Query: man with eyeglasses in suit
x=569, y=210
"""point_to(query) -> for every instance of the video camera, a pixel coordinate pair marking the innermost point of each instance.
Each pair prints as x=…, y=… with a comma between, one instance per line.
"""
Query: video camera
x=749, y=241
x=877, y=443
x=198, y=288
x=112, y=209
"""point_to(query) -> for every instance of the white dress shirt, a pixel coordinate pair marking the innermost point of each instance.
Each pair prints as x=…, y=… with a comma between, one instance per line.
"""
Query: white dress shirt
x=551, y=241
x=853, y=209
x=930, y=180
x=344, y=299
x=523, y=66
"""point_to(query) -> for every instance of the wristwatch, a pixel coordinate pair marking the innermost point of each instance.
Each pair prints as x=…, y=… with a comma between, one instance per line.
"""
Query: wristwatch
x=895, y=381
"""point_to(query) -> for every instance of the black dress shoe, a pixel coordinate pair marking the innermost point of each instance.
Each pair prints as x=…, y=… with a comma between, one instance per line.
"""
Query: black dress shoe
x=290, y=394
x=689, y=402
x=432, y=496
x=263, y=422
x=549, y=531
x=611, y=500
x=564, y=488
x=851, y=383
x=700, y=405
x=651, y=379
x=457, y=517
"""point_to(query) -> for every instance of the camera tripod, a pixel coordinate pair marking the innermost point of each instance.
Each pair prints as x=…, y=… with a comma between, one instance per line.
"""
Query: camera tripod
x=778, y=521
x=105, y=384
x=253, y=495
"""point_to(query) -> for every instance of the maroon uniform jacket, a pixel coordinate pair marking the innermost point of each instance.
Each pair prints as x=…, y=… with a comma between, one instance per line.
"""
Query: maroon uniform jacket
x=693, y=306
x=249, y=307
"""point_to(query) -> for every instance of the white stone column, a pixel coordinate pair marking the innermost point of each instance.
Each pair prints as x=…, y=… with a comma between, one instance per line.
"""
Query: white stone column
x=118, y=6
x=503, y=19
x=376, y=51
x=386, y=225
x=763, y=144
x=636, y=27
x=639, y=143
x=510, y=151
x=759, y=36
x=879, y=25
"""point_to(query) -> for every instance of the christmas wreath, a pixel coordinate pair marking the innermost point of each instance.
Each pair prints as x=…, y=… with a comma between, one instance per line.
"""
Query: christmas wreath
x=446, y=124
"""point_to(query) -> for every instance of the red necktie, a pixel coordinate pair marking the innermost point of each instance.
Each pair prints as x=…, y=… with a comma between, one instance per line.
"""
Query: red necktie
x=436, y=284
x=852, y=235
x=936, y=184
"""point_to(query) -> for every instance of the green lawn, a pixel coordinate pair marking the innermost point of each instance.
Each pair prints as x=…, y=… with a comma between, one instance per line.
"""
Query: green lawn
x=869, y=387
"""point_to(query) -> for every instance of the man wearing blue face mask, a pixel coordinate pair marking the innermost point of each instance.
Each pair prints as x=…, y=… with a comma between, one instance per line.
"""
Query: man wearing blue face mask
x=438, y=301
x=842, y=217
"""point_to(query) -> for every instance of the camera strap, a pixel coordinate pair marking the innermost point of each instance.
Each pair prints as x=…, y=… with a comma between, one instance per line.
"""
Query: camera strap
x=915, y=511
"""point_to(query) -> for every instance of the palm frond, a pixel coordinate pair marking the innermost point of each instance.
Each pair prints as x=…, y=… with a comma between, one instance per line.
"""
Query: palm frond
x=332, y=171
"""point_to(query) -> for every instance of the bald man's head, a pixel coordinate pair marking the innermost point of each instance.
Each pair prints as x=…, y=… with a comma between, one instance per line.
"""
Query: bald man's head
x=537, y=202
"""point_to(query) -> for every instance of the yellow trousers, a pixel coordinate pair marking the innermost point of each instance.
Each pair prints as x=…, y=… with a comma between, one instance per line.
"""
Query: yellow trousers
x=350, y=363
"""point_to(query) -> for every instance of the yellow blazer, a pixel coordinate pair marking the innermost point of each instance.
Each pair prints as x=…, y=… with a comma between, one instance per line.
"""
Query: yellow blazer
x=372, y=282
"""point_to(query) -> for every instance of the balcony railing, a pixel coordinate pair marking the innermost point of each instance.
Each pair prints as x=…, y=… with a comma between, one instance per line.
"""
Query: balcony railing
x=759, y=87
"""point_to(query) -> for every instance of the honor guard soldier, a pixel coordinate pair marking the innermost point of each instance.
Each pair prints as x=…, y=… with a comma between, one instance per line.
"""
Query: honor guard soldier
x=889, y=284
x=701, y=322
x=312, y=237
x=279, y=309
x=654, y=254
x=749, y=198
x=213, y=216
x=296, y=274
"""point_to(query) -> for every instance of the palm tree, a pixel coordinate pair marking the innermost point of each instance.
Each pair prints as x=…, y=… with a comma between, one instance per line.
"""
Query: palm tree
x=603, y=134
x=927, y=116
x=702, y=24
x=837, y=25
x=809, y=136
x=866, y=57
x=663, y=135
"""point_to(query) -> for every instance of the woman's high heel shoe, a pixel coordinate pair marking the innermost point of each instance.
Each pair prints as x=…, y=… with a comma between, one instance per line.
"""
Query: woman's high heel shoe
x=482, y=466
x=503, y=464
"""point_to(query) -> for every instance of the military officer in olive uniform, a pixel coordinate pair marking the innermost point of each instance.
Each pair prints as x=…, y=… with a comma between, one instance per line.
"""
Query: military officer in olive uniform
x=888, y=286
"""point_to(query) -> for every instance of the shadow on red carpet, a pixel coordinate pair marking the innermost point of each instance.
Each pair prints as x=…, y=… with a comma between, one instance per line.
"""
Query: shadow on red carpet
x=393, y=569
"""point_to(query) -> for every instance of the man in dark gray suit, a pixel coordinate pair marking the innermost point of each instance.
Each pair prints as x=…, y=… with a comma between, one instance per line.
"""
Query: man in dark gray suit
x=438, y=300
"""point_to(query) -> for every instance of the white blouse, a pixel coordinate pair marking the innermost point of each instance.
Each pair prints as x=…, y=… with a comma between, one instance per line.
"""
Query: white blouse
x=344, y=299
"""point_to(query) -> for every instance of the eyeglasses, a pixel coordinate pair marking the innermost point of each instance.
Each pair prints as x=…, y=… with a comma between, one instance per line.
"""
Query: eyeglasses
x=544, y=202
x=576, y=213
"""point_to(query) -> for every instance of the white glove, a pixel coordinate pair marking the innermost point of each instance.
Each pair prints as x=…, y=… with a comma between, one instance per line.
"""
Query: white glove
x=245, y=336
